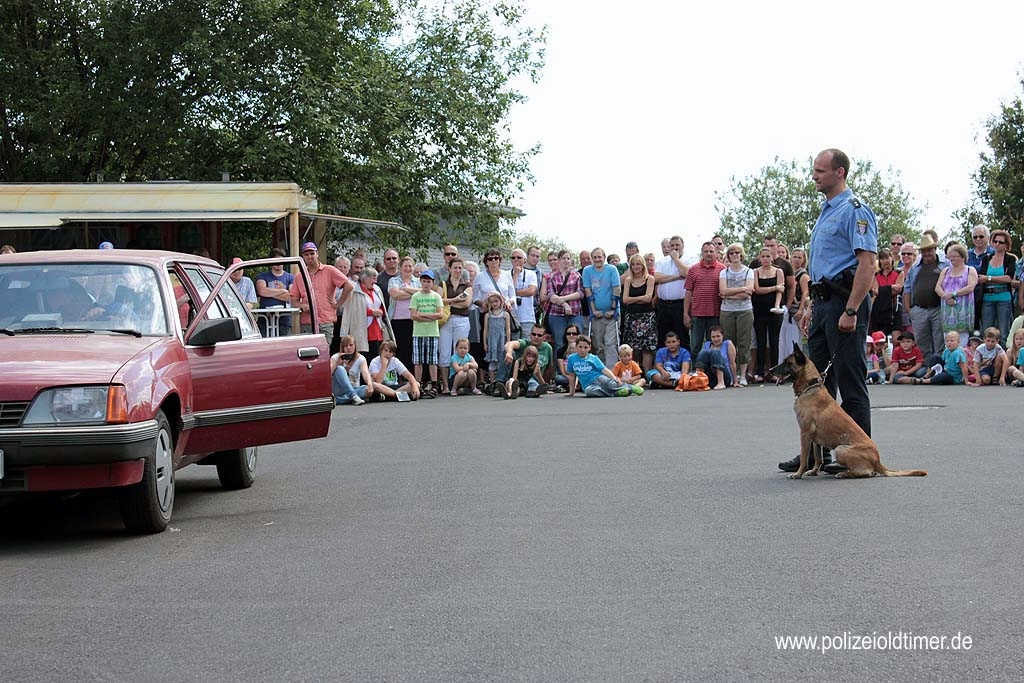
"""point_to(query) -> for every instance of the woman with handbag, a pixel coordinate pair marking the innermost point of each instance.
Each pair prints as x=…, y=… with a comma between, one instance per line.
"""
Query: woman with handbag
x=494, y=279
x=457, y=296
x=995, y=275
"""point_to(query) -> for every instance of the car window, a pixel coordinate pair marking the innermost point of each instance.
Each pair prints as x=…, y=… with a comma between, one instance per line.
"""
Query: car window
x=230, y=298
x=92, y=296
x=195, y=276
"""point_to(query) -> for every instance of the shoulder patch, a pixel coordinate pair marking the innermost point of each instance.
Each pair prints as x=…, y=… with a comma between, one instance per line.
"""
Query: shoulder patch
x=862, y=227
x=855, y=202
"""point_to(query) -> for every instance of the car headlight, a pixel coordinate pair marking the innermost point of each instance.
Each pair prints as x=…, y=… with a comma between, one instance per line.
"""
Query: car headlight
x=69, y=405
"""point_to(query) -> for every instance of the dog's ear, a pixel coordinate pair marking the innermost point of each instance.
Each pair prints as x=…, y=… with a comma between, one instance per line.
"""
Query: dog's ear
x=798, y=354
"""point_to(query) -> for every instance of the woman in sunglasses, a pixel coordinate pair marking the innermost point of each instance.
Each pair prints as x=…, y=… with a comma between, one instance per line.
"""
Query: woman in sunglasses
x=995, y=275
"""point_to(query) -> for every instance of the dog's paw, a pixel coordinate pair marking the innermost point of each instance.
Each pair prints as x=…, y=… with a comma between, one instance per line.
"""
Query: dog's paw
x=796, y=475
x=841, y=475
x=811, y=473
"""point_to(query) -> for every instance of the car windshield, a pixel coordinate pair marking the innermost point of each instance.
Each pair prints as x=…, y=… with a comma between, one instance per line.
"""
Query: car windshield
x=82, y=296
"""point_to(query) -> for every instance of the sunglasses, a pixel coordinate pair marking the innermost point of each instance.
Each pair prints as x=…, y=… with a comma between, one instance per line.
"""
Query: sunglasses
x=998, y=241
x=517, y=258
x=493, y=258
x=448, y=253
x=390, y=258
x=536, y=334
x=572, y=334
x=978, y=237
x=896, y=244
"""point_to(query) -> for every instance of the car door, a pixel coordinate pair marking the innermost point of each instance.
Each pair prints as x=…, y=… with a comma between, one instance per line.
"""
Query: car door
x=249, y=390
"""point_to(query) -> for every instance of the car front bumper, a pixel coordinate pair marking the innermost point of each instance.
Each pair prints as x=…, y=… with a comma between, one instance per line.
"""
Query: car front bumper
x=77, y=445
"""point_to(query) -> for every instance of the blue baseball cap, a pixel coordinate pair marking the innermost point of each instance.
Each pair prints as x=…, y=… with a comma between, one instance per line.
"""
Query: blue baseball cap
x=309, y=246
x=106, y=245
x=428, y=273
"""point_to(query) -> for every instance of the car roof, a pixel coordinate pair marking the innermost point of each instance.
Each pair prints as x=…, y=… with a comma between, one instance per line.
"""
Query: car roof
x=149, y=257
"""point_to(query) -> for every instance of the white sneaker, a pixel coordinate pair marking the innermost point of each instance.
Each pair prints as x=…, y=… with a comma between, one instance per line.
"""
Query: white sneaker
x=356, y=401
x=936, y=369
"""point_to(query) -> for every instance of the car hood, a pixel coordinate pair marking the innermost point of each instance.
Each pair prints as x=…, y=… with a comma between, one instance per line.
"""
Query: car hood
x=31, y=362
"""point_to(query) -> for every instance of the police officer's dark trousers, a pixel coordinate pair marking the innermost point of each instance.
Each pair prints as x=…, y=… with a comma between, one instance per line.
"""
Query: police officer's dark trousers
x=847, y=373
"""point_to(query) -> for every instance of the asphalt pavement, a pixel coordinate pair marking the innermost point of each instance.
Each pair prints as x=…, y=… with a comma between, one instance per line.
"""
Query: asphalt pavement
x=555, y=539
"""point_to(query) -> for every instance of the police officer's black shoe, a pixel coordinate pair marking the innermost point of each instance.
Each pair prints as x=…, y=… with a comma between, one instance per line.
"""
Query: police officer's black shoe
x=830, y=466
x=790, y=465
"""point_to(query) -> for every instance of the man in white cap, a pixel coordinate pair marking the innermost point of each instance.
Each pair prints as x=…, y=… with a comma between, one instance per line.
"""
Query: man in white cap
x=244, y=285
x=326, y=279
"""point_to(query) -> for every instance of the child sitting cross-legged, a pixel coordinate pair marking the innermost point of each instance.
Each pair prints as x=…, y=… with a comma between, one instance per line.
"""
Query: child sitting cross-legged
x=596, y=380
x=907, y=361
x=628, y=370
x=388, y=374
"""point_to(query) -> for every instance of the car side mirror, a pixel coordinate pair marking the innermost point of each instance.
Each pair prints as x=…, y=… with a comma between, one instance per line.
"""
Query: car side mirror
x=210, y=332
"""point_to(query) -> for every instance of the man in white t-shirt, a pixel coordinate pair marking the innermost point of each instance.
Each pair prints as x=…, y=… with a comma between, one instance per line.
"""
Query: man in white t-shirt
x=525, y=282
x=670, y=276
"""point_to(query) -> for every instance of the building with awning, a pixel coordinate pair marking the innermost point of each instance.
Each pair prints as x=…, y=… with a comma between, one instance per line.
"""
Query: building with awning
x=178, y=216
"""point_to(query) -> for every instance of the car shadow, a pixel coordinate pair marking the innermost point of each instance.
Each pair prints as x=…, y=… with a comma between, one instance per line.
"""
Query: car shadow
x=62, y=520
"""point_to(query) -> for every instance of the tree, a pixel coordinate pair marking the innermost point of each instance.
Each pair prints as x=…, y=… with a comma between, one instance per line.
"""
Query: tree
x=781, y=200
x=395, y=110
x=1000, y=178
x=525, y=240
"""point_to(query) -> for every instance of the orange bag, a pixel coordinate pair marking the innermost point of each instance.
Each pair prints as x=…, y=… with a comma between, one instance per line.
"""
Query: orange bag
x=698, y=381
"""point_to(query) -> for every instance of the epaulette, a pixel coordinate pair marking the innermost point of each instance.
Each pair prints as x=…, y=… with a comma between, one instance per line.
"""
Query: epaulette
x=855, y=202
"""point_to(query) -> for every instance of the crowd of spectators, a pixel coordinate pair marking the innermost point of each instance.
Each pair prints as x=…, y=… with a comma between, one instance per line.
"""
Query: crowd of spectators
x=604, y=325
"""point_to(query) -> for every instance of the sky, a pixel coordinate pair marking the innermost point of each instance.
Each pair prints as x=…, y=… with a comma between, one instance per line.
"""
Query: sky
x=645, y=110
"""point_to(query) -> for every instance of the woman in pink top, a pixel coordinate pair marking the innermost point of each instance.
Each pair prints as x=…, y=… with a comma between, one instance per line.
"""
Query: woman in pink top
x=561, y=293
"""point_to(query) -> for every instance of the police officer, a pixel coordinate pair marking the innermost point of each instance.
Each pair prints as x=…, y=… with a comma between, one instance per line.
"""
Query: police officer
x=841, y=263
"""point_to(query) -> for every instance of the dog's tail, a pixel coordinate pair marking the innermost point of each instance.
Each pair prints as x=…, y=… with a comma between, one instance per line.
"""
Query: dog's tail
x=884, y=471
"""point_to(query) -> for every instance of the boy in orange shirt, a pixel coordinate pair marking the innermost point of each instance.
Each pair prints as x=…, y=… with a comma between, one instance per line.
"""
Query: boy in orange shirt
x=627, y=370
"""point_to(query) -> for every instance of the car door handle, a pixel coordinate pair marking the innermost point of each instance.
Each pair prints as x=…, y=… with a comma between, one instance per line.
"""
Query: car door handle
x=309, y=353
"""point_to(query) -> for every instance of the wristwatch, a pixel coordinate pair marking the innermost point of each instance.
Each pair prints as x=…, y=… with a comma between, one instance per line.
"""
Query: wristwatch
x=852, y=312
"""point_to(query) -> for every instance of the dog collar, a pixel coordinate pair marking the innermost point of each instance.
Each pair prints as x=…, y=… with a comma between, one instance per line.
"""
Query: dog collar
x=816, y=383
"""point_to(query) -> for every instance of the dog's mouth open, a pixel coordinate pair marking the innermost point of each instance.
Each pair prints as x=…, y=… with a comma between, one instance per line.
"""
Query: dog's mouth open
x=782, y=373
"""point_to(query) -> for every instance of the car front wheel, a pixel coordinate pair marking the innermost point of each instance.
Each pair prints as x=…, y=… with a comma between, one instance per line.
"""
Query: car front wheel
x=236, y=469
x=146, y=507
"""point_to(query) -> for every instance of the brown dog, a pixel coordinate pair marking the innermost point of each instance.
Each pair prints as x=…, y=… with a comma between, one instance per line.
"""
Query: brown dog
x=823, y=424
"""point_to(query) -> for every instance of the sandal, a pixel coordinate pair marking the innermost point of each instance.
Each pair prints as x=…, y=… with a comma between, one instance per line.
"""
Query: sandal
x=453, y=392
x=477, y=392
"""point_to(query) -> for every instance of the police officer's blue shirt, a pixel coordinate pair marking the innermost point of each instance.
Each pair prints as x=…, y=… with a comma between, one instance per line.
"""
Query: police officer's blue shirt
x=843, y=228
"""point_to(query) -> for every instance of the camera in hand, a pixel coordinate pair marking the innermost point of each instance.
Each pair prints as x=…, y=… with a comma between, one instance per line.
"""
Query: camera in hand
x=347, y=356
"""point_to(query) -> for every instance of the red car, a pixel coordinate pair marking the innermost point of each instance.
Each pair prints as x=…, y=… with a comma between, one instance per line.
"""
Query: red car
x=119, y=367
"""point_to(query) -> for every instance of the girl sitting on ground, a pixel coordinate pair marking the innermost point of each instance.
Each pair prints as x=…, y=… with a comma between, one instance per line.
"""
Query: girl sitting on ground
x=350, y=377
x=526, y=376
x=1015, y=360
x=462, y=369
x=717, y=358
